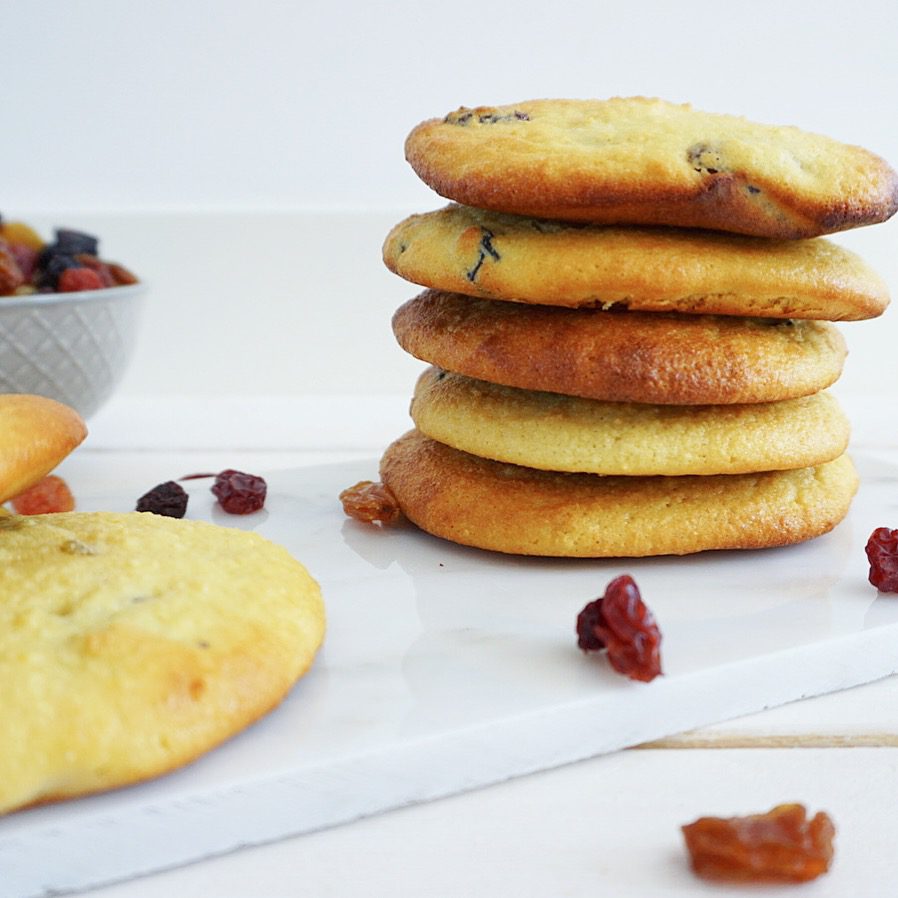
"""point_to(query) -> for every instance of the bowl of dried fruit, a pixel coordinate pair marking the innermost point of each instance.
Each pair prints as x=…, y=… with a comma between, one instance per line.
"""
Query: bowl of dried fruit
x=68, y=318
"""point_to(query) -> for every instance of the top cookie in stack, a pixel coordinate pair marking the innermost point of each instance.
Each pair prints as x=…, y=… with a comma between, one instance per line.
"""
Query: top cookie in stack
x=646, y=161
x=584, y=326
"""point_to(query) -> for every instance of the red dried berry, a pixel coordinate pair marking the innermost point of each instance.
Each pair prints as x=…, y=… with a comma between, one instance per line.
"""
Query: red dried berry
x=10, y=274
x=621, y=622
x=587, y=622
x=99, y=266
x=47, y=496
x=238, y=492
x=74, y=279
x=882, y=553
x=120, y=275
x=26, y=259
x=168, y=499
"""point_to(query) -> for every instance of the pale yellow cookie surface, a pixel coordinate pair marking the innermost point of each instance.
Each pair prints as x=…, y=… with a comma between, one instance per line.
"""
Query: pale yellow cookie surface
x=637, y=160
x=132, y=643
x=36, y=434
x=622, y=356
x=506, y=508
x=565, y=433
x=509, y=257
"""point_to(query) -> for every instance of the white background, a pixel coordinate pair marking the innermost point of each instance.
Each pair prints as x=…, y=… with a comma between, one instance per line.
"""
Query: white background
x=203, y=140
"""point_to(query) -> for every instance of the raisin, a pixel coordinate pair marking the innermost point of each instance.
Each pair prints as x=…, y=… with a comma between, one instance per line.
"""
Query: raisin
x=26, y=259
x=782, y=845
x=74, y=279
x=621, y=623
x=705, y=158
x=238, y=492
x=882, y=553
x=371, y=503
x=47, y=496
x=120, y=275
x=50, y=265
x=485, y=249
x=11, y=275
x=97, y=265
x=168, y=499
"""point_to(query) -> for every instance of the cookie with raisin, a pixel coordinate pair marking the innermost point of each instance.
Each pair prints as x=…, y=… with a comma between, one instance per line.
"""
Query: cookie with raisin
x=510, y=257
x=517, y=510
x=130, y=644
x=565, y=433
x=622, y=356
x=638, y=160
x=36, y=434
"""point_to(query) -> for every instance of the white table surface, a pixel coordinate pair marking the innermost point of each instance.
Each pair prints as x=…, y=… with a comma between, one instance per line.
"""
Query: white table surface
x=609, y=825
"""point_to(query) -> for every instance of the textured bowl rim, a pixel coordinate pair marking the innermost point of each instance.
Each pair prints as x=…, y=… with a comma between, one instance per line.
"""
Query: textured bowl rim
x=76, y=297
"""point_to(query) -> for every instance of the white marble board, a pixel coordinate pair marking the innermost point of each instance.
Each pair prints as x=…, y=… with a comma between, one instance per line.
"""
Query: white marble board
x=446, y=669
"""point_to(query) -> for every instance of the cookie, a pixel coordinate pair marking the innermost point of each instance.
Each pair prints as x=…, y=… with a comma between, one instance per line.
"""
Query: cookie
x=508, y=257
x=506, y=508
x=36, y=434
x=132, y=643
x=565, y=433
x=666, y=359
x=646, y=161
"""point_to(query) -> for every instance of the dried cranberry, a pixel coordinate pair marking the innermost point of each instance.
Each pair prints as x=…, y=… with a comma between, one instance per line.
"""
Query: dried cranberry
x=47, y=496
x=621, y=622
x=120, y=275
x=167, y=499
x=71, y=280
x=239, y=493
x=882, y=553
x=11, y=275
x=97, y=265
x=26, y=258
x=588, y=620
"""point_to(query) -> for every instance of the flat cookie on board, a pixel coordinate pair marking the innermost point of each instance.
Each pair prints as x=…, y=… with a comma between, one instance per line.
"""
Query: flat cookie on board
x=564, y=433
x=666, y=359
x=36, y=434
x=506, y=508
x=509, y=257
x=130, y=644
x=637, y=160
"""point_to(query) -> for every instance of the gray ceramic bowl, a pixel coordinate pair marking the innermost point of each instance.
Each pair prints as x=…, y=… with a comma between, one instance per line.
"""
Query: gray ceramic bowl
x=73, y=347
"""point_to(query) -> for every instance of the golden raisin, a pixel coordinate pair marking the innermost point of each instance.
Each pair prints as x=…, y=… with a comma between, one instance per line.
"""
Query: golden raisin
x=782, y=845
x=49, y=495
x=370, y=502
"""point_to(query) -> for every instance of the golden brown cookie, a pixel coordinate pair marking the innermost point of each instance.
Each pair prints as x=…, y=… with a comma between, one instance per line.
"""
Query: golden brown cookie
x=564, y=433
x=666, y=359
x=636, y=160
x=509, y=257
x=36, y=434
x=132, y=643
x=506, y=508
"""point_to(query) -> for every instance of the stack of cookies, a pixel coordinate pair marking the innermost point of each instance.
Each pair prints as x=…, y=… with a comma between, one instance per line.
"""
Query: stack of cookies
x=629, y=323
